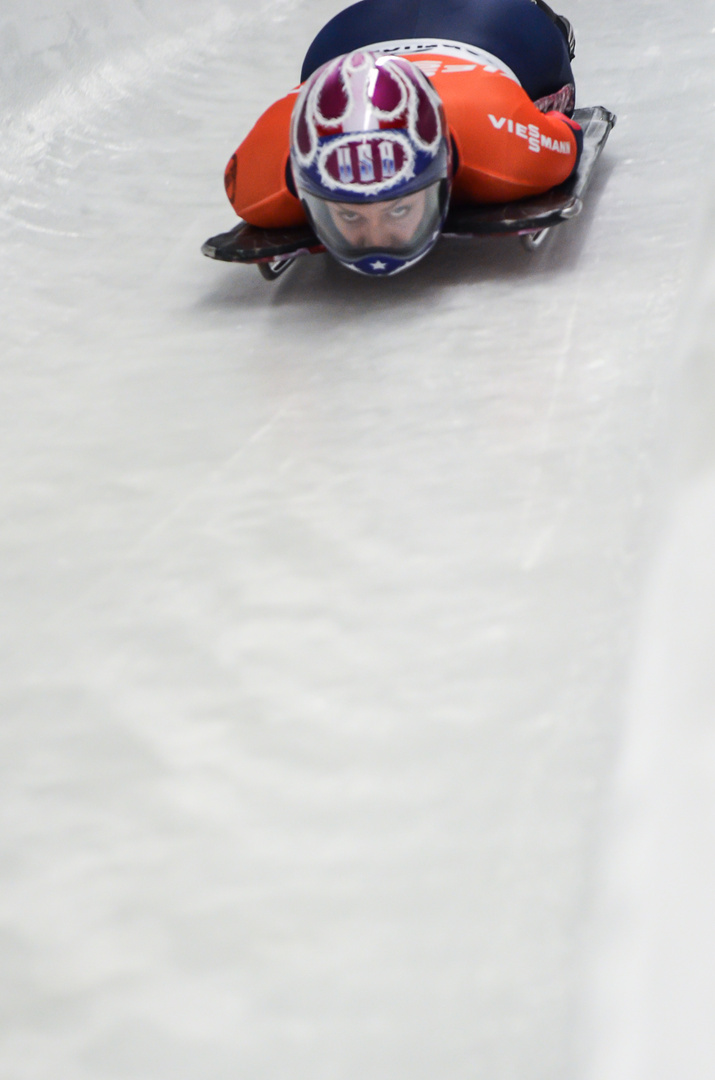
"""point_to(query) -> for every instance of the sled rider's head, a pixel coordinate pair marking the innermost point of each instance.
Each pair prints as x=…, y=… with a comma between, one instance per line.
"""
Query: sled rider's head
x=371, y=160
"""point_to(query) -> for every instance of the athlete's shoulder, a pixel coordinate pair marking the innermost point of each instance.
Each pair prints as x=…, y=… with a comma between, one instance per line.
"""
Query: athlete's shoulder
x=468, y=82
x=273, y=126
x=506, y=147
x=255, y=177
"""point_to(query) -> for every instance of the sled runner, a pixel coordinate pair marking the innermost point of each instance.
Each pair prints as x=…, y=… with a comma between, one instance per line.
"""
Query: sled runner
x=274, y=250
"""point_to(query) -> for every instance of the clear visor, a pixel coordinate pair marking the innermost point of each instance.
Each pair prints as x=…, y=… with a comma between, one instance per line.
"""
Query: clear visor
x=400, y=227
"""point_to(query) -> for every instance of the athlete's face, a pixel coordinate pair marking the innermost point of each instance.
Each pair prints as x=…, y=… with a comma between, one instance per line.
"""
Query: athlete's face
x=390, y=224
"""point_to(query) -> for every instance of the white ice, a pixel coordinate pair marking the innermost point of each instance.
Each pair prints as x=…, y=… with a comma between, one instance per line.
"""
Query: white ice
x=356, y=636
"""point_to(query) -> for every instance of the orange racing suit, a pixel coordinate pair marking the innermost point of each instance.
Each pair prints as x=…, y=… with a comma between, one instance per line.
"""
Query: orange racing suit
x=505, y=146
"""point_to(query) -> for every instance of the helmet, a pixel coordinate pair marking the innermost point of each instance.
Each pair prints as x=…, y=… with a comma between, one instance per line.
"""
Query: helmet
x=371, y=160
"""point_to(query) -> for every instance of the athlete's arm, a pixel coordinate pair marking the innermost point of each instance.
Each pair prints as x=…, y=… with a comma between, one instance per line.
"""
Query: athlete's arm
x=255, y=178
x=507, y=149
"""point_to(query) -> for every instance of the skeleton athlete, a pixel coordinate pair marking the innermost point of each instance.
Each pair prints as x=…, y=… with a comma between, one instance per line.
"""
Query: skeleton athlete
x=403, y=106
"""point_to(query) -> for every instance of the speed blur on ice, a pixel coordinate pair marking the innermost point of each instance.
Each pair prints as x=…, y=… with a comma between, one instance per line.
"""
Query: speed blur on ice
x=356, y=637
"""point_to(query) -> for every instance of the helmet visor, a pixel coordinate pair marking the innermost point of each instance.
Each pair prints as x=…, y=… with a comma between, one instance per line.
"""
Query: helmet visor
x=402, y=227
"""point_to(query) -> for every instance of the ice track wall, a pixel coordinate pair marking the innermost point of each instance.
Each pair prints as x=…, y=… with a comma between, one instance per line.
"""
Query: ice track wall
x=652, y=992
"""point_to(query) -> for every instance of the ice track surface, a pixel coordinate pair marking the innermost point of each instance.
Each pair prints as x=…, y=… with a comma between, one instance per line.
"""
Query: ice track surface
x=356, y=636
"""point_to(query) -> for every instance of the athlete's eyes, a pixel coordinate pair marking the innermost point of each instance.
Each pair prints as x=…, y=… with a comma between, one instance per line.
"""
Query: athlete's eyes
x=399, y=212
x=349, y=216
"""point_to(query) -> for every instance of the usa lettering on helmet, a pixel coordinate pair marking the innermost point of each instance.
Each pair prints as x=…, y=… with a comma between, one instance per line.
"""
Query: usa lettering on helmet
x=368, y=164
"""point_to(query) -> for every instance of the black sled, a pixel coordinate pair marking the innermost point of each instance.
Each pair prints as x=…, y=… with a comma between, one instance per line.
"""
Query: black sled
x=274, y=250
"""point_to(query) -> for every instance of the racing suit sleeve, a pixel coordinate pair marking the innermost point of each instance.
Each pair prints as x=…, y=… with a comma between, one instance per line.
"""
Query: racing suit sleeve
x=255, y=177
x=507, y=149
